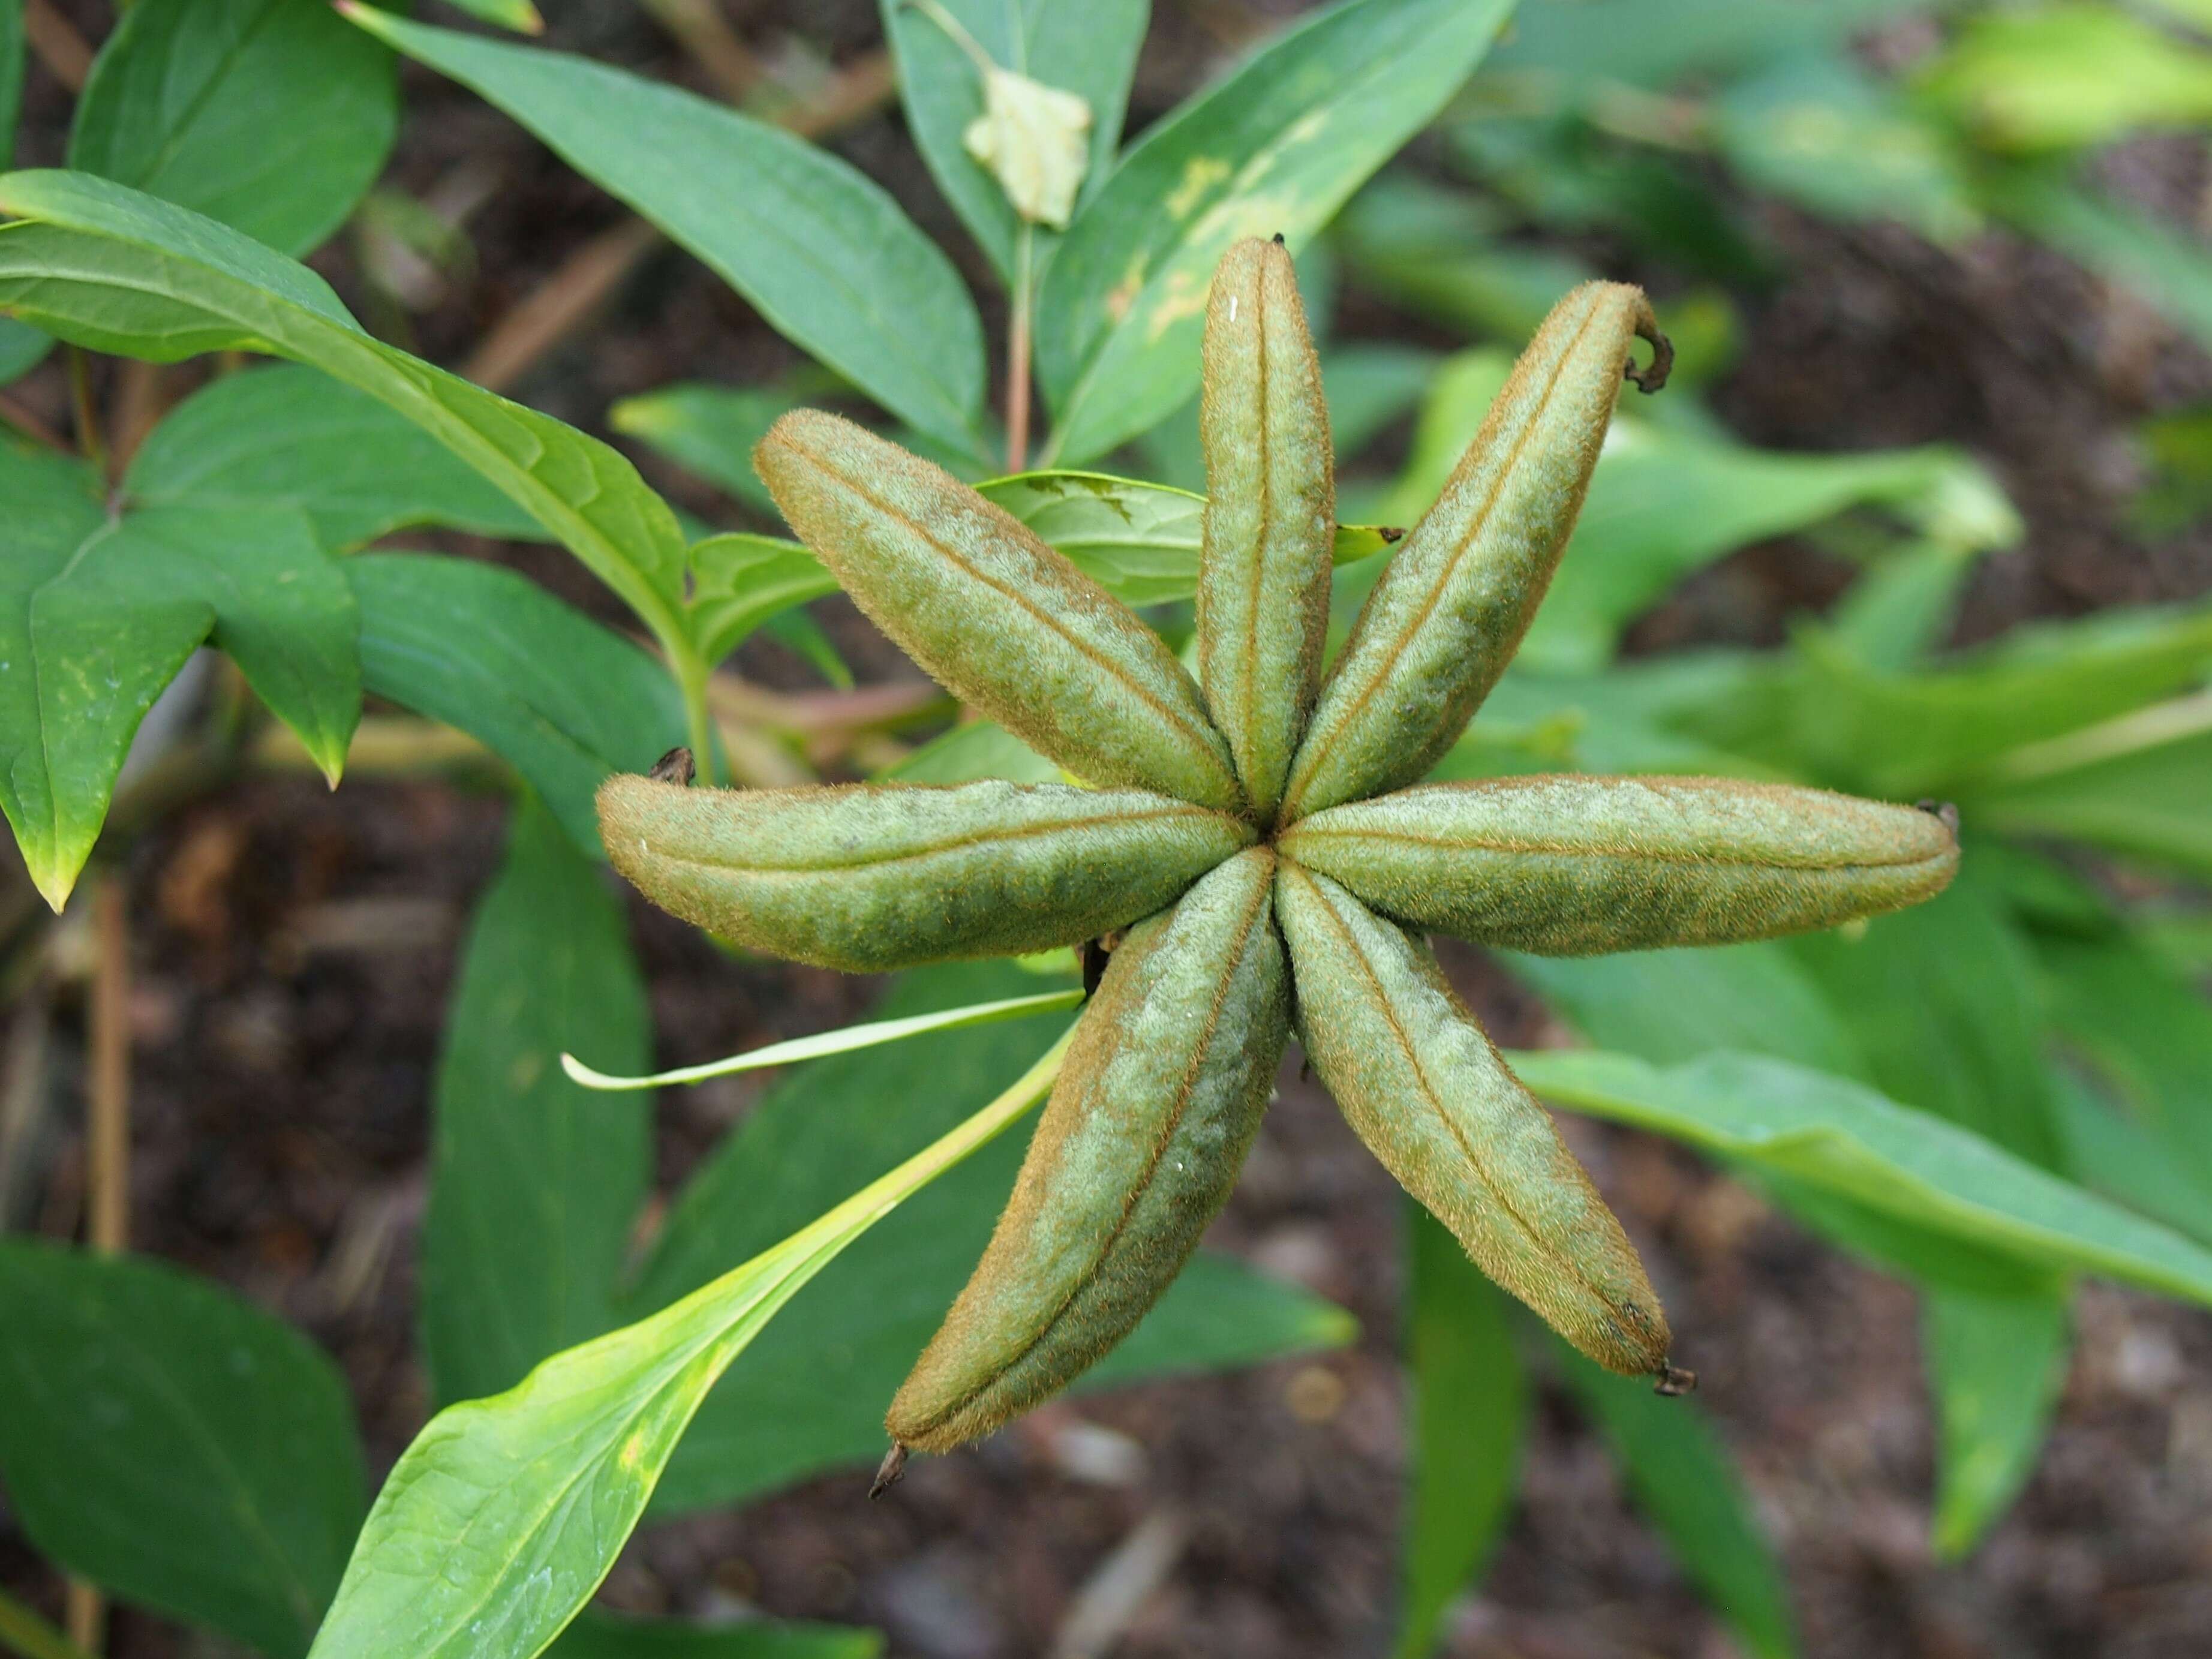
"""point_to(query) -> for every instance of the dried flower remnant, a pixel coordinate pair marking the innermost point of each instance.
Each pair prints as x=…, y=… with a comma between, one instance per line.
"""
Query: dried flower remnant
x=1258, y=842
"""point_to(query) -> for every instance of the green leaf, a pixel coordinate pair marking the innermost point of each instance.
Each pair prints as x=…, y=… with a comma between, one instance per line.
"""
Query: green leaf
x=599, y=1636
x=121, y=272
x=292, y=437
x=535, y=1182
x=1469, y=1414
x=11, y=75
x=1440, y=254
x=1996, y=1363
x=1666, y=501
x=2064, y=77
x=822, y=251
x=739, y=582
x=1370, y=386
x=174, y=1444
x=97, y=614
x=1822, y=133
x=2168, y=267
x=1139, y=541
x=561, y=700
x=2145, y=1032
x=270, y=115
x=2118, y=1156
x=505, y=1514
x=1840, y=1138
x=710, y=429
x=977, y=749
x=1274, y=148
x=21, y=349
x=1655, y=43
x=1681, y=1477
x=1088, y=49
x=519, y=15
x=824, y=1374
x=2141, y=784
x=1944, y=1003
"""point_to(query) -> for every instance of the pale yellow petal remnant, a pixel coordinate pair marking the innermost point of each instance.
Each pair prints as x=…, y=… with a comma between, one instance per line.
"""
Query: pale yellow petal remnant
x=1036, y=140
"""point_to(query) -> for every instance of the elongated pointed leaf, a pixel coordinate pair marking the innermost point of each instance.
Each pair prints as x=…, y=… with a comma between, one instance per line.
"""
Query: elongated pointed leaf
x=118, y=271
x=739, y=582
x=174, y=1444
x=560, y=699
x=187, y=97
x=1996, y=1363
x=1274, y=148
x=1681, y=1477
x=1086, y=47
x=821, y=249
x=2139, y=785
x=505, y=1514
x=1469, y=1413
x=535, y=1182
x=1842, y=1139
x=597, y=1636
x=291, y=437
x=823, y=1373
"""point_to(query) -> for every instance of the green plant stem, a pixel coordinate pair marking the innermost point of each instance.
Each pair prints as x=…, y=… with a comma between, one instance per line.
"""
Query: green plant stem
x=23, y=1632
x=692, y=676
x=1018, y=349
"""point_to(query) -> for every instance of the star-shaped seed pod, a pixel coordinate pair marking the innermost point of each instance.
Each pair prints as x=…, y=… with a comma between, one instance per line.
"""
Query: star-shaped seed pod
x=1258, y=839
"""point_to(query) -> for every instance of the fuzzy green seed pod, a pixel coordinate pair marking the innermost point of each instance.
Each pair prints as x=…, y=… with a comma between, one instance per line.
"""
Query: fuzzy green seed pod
x=869, y=878
x=1270, y=516
x=1449, y=611
x=1571, y=866
x=1160, y=1096
x=999, y=618
x=1428, y=1093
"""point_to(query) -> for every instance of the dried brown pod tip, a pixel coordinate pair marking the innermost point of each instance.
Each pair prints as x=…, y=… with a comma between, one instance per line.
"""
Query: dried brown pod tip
x=1672, y=1380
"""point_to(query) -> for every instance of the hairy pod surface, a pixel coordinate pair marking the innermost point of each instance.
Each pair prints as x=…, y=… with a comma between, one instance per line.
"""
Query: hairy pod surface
x=869, y=878
x=997, y=617
x=1449, y=611
x=1425, y=1089
x=1270, y=516
x=1160, y=1098
x=1571, y=866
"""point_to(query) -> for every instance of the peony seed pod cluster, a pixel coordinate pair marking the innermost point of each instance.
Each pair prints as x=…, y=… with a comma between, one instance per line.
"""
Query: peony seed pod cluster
x=1257, y=840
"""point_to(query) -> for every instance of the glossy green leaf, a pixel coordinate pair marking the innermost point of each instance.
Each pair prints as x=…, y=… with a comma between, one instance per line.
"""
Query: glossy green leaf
x=96, y=616
x=292, y=437
x=740, y=583
x=821, y=250
x=1841, y=1139
x=174, y=1444
x=1682, y=1480
x=535, y=1182
x=121, y=272
x=503, y=1517
x=709, y=429
x=270, y=115
x=2140, y=784
x=824, y=1373
x=559, y=697
x=1084, y=46
x=1275, y=147
x=600, y=1636
x=1469, y=1414
x=1997, y=1362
